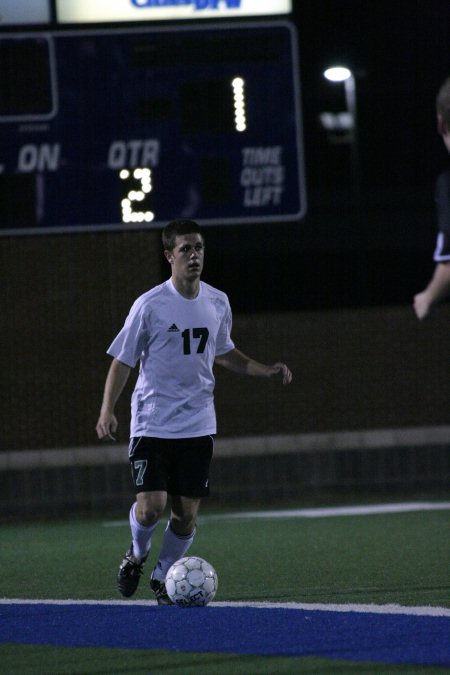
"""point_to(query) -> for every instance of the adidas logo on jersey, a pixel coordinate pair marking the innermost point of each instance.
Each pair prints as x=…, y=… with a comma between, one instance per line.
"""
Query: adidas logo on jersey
x=173, y=328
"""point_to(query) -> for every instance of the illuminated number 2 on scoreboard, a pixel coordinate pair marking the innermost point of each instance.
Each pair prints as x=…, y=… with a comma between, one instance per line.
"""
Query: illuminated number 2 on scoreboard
x=143, y=177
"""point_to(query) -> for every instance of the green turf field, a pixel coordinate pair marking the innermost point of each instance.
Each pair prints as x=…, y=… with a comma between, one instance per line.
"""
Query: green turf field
x=394, y=558
x=398, y=558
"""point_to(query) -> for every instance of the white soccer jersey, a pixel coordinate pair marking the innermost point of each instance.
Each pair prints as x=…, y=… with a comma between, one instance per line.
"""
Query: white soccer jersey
x=176, y=341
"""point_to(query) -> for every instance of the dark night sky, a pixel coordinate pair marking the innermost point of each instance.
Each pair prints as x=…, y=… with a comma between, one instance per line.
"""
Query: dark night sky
x=400, y=52
x=337, y=256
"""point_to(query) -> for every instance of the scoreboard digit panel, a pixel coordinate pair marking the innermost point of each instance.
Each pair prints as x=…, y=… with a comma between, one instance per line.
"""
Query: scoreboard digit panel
x=130, y=128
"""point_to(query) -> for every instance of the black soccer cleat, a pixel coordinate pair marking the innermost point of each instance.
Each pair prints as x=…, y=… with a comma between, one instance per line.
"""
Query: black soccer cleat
x=130, y=571
x=159, y=589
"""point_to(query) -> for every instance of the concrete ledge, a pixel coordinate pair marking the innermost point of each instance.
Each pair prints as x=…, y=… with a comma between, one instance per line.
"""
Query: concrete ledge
x=240, y=446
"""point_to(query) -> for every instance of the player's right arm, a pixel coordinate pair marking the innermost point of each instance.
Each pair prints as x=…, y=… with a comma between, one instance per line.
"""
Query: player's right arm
x=115, y=382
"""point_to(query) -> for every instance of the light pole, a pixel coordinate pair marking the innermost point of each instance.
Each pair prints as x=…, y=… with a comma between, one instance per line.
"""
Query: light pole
x=345, y=75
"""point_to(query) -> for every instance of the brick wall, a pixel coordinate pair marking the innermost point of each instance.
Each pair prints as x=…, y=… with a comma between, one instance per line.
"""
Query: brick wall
x=65, y=297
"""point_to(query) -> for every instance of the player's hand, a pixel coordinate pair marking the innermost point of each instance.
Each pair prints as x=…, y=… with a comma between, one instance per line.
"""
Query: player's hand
x=280, y=369
x=422, y=306
x=106, y=426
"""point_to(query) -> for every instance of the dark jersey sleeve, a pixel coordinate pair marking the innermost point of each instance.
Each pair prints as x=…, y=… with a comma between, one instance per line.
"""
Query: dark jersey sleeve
x=442, y=251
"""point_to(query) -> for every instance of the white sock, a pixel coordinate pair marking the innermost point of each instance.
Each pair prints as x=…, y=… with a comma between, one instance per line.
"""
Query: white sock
x=173, y=548
x=141, y=535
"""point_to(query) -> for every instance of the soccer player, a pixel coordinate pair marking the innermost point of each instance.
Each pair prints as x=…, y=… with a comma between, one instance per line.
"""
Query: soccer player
x=438, y=287
x=177, y=330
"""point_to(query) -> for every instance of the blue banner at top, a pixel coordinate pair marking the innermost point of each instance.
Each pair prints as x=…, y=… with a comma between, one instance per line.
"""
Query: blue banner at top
x=99, y=11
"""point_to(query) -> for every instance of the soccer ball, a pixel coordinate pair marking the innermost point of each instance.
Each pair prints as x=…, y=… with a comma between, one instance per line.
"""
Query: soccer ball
x=191, y=582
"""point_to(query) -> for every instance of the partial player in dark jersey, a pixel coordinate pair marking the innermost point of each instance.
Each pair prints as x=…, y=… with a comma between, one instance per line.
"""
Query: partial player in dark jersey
x=439, y=286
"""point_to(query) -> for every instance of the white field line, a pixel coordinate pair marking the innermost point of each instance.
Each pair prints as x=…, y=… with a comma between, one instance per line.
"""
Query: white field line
x=327, y=512
x=337, y=511
x=311, y=607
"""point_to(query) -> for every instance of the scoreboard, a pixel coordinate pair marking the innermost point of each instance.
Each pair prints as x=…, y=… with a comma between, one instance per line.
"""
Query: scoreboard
x=130, y=128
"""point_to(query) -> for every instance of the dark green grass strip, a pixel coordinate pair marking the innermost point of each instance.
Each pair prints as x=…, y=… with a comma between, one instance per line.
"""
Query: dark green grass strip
x=33, y=660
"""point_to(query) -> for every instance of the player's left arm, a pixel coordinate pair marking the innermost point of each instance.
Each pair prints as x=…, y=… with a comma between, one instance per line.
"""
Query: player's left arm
x=238, y=362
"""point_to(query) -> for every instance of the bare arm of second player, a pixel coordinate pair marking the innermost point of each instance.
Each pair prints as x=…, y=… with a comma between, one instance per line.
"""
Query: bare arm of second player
x=437, y=290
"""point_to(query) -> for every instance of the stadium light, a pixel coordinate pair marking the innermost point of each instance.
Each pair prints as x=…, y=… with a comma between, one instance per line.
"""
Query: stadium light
x=337, y=74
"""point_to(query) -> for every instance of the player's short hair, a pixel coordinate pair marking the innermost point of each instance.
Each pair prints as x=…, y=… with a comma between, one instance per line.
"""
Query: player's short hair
x=443, y=103
x=178, y=227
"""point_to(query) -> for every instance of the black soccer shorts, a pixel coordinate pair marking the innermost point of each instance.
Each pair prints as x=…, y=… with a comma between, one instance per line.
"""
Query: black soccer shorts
x=178, y=466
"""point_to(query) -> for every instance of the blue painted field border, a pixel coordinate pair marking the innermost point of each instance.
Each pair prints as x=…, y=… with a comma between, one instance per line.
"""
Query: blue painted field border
x=388, y=634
